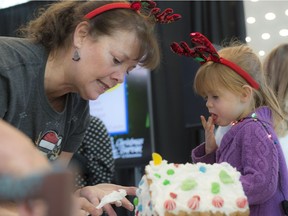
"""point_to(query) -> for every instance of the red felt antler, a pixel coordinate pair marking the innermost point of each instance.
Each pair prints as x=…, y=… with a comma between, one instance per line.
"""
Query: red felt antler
x=164, y=17
x=203, y=51
x=147, y=8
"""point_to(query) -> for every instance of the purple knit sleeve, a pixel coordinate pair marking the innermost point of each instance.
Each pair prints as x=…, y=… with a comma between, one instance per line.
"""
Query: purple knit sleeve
x=198, y=155
x=260, y=163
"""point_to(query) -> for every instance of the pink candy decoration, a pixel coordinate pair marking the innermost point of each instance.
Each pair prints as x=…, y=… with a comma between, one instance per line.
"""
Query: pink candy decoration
x=169, y=205
x=173, y=195
x=176, y=165
x=241, y=202
x=194, y=202
x=217, y=202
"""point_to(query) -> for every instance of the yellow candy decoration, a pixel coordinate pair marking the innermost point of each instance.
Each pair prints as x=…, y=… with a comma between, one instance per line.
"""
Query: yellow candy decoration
x=157, y=159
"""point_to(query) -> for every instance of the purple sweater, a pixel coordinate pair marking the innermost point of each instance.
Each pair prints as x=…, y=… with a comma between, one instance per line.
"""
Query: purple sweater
x=259, y=159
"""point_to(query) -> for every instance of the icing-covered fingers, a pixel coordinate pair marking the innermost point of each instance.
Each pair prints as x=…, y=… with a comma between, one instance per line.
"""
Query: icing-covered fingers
x=118, y=203
x=109, y=210
x=88, y=207
x=127, y=204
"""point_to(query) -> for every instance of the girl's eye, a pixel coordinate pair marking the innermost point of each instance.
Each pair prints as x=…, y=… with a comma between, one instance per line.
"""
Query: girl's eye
x=215, y=97
x=205, y=98
x=116, y=61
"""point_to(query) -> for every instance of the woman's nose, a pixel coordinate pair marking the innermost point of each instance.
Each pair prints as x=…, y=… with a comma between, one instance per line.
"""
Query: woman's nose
x=119, y=76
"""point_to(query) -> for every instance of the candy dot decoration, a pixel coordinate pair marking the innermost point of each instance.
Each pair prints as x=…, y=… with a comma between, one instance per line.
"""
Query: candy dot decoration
x=202, y=169
x=170, y=172
x=176, y=165
x=188, y=184
x=140, y=208
x=135, y=201
x=225, y=177
x=169, y=205
x=215, y=188
x=218, y=202
x=194, y=202
x=173, y=195
x=166, y=182
x=242, y=202
x=157, y=159
x=157, y=175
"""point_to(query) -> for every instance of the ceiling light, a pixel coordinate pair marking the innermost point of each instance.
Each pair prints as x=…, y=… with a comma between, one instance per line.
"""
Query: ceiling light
x=9, y=3
x=283, y=32
x=254, y=0
x=261, y=52
x=286, y=12
x=270, y=16
x=265, y=36
x=248, y=39
x=251, y=20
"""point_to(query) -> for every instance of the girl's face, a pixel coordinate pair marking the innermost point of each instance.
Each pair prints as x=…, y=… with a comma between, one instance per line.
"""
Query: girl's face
x=104, y=63
x=225, y=106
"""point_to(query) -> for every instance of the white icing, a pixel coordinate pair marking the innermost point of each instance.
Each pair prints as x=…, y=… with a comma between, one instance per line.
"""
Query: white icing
x=112, y=197
x=160, y=193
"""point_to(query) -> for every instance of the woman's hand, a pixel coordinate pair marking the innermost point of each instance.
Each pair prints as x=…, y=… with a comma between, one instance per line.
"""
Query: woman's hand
x=89, y=197
x=209, y=127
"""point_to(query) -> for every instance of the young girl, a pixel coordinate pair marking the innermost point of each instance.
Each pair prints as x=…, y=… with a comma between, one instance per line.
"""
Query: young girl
x=233, y=84
x=71, y=53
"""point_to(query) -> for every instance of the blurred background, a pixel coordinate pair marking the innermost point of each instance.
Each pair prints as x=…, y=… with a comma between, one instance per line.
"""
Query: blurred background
x=162, y=111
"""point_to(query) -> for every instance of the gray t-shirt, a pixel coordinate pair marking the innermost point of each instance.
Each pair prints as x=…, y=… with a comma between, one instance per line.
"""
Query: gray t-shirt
x=24, y=104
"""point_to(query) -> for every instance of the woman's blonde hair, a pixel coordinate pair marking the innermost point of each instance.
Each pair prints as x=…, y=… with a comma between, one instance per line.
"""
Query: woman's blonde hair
x=276, y=71
x=211, y=76
x=54, y=27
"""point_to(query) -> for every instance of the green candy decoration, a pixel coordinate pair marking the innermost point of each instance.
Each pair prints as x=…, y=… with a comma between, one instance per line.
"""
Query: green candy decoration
x=215, y=188
x=157, y=175
x=225, y=177
x=135, y=201
x=188, y=184
x=170, y=172
x=166, y=182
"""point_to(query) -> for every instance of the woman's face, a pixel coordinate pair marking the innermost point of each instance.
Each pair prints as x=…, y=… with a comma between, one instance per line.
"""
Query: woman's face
x=104, y=63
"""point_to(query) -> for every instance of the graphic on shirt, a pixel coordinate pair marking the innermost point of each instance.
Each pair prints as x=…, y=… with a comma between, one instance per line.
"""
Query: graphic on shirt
x=50, y=144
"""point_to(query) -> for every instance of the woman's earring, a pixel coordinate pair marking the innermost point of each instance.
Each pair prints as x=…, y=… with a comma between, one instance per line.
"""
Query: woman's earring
x=76, y=56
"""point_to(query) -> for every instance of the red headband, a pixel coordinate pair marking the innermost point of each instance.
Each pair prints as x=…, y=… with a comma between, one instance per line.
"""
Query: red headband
x=164, y=17
x=107, y=7
x=204, y=51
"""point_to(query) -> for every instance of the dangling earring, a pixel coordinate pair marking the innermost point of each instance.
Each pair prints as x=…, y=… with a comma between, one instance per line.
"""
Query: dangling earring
x=76, y=56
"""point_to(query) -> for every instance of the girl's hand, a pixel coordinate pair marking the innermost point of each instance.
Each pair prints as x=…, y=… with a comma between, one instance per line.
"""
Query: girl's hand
x=209, y=127
x=89, y=197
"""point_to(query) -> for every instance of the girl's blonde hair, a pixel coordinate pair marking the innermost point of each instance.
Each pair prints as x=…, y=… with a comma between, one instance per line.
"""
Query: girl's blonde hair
x=276, y=72
x=55, y=26
x=211, y=76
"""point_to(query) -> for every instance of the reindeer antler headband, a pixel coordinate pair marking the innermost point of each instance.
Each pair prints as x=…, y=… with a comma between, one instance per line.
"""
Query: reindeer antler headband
x=203, y=51
x=164, y=17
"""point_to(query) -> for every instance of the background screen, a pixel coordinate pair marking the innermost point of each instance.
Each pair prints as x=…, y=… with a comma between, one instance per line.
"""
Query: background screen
x=125, y=110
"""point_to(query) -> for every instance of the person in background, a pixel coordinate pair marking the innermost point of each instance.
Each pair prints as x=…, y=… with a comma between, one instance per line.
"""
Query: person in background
x=276, y=71
x=234, y=86
x=94, y=160
x=71, y=53
x=18, y=159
